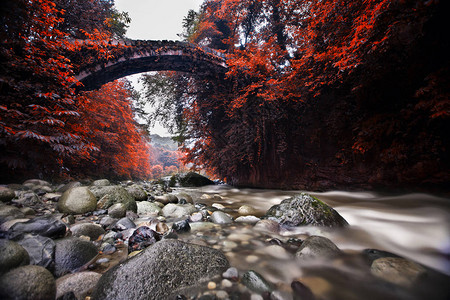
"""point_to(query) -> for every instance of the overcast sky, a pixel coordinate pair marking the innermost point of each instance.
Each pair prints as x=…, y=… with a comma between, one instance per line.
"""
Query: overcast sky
x=156, y=20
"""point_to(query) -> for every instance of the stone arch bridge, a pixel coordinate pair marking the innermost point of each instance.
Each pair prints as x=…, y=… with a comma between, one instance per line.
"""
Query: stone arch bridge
x=134, y=56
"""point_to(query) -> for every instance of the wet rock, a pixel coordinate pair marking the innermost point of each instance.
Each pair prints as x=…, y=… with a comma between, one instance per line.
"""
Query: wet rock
x=117, y=210
x=316, y=247
x=247, y=219
x=142, y=238
x=8, y=212
x=101, y=182
x=268, y=226
x=80, y=284
x=40, y=249
x=137, y=192
x=166, y=269
x=280, y=295
x=107, y=221
x=218, y=206
x=255, y=282
x=48, y=226
x=220, y=217
x=72, y=253
x=27, y=198
x=8, y=224
x=186, y=197
x=192, y=179
x=65, y=187
x=148, y=208
x=203, y=226
x=12, y=255
x=34, y=182
x=124, y=224
x=373, y=254
x=301, y=291
x=246, y=210
x=397, y=270
x=167, y=198
x=28, y=211
x=41, y=189
x=77, y=200
x=305, y=209
x=117, y=195
x=196, y=217
x=6, y=194
x=181, y=226
x=52, y=196
x=28, y=282
x=177, y=210
x=231, y=273
x=93, y=231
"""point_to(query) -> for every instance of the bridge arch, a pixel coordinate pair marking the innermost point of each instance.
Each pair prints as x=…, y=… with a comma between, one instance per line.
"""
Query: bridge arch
x=146, y=56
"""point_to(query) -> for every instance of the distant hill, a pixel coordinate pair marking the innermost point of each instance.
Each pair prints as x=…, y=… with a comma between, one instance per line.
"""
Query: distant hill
x=164, y=142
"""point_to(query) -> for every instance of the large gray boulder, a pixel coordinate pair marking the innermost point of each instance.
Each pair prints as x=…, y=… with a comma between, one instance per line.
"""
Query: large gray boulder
x=93, y=231
x=28, y=283
x=78, y=200
x=316, y=247
x=137, y=192
x=161, y=271
x=177, y=210
x=6, y=194
x=12, y=255
x=192, y=179
x=72, y=253
x=80, y=284
x=305, y=209
x=117, y=195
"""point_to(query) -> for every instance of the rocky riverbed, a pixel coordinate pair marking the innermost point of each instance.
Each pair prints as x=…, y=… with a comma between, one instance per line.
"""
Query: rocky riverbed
x=144, y=240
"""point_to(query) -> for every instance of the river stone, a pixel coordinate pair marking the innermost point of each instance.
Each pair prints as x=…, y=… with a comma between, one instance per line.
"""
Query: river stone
x=177, y=210
x=6, y=194
x=65, y=187
x=48, y=226
x=72, y=253
x=305, y=209
x=148, y=208
x=28, y=282
x=12, y=255
x=247, y=219
x=137, y=192
x=397, y=270
x=33, y=182
x=246, y=210
x=8, y=212
x=167, y=198
x=101, y=182
x=27, y=198
x=166, y=269
x=117, y=210
x=117, y=195
x=80, y=284
x=316, y=247
x=185, y=196
x=255, y=282
x=40, y=249
x=93, y=231
x=192, y=179
x=78, y=200
x=220, y=217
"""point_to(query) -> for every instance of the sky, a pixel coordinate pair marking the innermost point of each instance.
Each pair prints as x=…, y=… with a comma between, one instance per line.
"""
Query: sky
x=155, y=20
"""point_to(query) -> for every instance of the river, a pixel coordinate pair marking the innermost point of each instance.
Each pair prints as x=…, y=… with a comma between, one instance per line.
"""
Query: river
x=414, y=226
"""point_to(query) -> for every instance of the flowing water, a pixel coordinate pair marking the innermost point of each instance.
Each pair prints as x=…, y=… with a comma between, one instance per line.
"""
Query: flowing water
x=414, y=226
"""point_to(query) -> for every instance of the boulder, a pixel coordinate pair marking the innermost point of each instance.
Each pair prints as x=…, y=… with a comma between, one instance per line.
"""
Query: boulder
x=35, y=182
x=220, y=217
x=6, y=194
x=27, y=198
x=48, y=226
x=148, y=208
x=117, y=195
x=28, y=282
x=246, y=210
x=40, y=249
x=167, y=198
x=78, y=200
x=80, y=284
x=192, y=179
x=305, y=209
x=255, y=282
x=8, y=212
x=397, y=270
x=93, y=231
x=137, y=192
x=12, y=255
x=71, y=254
x=161, y=271
x=316, y=247
x=101, y=182
x=177, y=210
x=117, y=210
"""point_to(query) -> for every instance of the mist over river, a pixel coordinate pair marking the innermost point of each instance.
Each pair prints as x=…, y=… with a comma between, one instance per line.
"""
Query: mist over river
x=415, y=226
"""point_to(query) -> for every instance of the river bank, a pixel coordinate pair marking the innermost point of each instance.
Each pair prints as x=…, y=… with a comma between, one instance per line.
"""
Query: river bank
x=395, y=247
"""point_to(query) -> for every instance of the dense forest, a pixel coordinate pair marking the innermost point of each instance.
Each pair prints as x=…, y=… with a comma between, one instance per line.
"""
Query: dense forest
x=319, y=94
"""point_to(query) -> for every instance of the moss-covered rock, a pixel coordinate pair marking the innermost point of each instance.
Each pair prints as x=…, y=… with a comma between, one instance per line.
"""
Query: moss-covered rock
x=304, y=209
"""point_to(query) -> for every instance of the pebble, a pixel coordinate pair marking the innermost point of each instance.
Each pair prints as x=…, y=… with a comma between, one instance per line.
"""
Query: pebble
x=239, y=237
x=256, y=282
x=212, y=285
x=246, y=210
x=225, y=283
x=247, y=219
x=222, y=295
x=231, y=273
x=218, y=206
x=251, y=259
